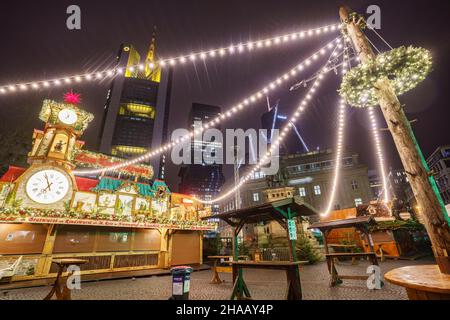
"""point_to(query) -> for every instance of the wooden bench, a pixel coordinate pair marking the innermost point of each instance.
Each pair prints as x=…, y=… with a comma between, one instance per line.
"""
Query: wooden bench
x=225, y=269
x=362, y=224
x=336, y=278
x=350, y=247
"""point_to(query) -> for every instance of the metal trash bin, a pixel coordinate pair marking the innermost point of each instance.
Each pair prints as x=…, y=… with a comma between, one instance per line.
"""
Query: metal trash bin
x=181, y=282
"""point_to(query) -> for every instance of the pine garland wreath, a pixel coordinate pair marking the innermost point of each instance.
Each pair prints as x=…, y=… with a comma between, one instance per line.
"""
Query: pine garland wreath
x=15, y=213
x=406, y=67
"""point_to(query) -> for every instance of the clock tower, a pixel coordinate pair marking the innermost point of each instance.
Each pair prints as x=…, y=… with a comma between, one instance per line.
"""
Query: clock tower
x=49, y=182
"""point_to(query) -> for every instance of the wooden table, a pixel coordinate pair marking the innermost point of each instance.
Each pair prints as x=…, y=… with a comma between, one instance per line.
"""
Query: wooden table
x=294, y=289
x=60, y=286
x=216, y=279
x=421, y=282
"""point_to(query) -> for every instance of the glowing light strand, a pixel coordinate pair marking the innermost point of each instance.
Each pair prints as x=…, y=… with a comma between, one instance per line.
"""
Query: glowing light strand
x=293, y=119
x=340, y=138
x=379, y=151
x=179, y=60
x=58, y=82
x=226, y=115
x=249, y=46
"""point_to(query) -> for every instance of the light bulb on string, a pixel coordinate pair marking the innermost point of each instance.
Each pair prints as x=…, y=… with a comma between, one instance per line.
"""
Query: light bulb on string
x=260, y=162
x=242, y=47
x=339, y=143
x=379, y=153
x=223, y=116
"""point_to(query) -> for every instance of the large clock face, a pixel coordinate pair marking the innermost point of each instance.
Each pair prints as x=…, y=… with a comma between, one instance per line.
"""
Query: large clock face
x=67, y=116
x=47, y=186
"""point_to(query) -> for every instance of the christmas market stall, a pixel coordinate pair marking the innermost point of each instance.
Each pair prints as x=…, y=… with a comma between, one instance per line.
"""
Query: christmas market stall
x=362, y=224
x=285, y=212
x=396, y=236
x=122, y=223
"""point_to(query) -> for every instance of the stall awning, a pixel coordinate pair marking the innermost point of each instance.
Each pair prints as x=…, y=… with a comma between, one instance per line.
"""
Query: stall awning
x=344, y=223
x=267, y=211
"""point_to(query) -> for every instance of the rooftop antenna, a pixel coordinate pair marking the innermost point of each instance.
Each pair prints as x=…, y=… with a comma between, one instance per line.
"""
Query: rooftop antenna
x=269, y=108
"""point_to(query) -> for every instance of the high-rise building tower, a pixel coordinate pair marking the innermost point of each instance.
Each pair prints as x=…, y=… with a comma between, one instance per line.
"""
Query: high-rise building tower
x=275, y=120
x=200, y=179
x=136, y=112
x=272, y=120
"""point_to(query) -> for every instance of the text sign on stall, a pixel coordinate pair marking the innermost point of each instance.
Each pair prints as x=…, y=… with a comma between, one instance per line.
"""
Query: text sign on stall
x=292, y=228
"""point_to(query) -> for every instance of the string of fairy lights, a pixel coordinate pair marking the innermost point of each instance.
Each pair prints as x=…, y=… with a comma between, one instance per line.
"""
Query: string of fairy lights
x=231, y=112
x=284, y=131
x=178, y=60
x=379, y=151
x=334, y=46
x=340, y=136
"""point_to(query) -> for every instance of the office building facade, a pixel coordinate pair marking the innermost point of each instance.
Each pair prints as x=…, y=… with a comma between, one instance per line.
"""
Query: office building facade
x=439, y=163
x=311, y=177
x=200, y=178
x=137, y=109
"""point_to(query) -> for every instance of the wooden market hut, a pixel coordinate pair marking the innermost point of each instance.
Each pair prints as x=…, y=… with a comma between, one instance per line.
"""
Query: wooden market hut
x=283, y=211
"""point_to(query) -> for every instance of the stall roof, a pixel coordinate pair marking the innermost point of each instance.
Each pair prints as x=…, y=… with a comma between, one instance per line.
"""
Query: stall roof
x=267, y=211
x=343, y=223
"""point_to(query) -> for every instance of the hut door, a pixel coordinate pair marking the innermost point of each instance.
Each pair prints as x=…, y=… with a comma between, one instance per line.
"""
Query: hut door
x=185, y=248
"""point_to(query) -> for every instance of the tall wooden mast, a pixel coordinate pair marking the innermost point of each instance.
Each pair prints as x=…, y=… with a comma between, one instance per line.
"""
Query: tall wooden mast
x=431, y=206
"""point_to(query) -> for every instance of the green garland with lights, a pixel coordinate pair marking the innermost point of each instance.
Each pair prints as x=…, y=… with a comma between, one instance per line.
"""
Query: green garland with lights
x=411, y=225
x=406, y=67
x=12, y=214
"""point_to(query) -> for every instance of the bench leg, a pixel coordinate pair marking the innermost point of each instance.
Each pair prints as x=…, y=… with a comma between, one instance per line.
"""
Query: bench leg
x=294, y=288
x=66, y=293
x=215, y=279
x=235, y=289
x=56, y=287
x=335, y=280
x=240, y=290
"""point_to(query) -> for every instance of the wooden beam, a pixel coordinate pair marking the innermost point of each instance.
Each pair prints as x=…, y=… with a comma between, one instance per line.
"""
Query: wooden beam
x=282, y=212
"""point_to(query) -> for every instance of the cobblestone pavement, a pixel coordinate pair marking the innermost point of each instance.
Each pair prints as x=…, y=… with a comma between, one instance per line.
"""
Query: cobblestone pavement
x=263, y=284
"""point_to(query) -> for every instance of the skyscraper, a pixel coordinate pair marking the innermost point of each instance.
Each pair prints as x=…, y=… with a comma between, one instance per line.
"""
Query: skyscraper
x=275, y=120
x=137, y=108
x=272, y=120
x=201, y=179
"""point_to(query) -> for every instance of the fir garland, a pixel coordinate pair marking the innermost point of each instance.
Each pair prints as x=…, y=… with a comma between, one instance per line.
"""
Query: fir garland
x=411, y=225
x=12, y=214
x=406, y=67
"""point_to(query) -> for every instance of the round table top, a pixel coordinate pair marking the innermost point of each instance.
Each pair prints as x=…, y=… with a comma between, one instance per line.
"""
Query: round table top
x=67, y=262
x=424, y=278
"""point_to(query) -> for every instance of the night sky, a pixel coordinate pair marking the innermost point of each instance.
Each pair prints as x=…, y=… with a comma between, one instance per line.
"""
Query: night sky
x=36, y=45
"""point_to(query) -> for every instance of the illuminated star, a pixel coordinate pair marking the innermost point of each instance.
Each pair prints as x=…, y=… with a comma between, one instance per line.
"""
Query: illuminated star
x=72, y=98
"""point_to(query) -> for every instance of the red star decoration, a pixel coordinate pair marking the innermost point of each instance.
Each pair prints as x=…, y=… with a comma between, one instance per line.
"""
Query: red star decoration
x=72, y=98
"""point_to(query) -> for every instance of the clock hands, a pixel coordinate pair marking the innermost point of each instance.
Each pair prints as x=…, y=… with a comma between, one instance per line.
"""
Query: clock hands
x=49, y=184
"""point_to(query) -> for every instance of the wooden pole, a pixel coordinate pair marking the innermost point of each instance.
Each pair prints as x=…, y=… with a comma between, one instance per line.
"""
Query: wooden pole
x=431, y=209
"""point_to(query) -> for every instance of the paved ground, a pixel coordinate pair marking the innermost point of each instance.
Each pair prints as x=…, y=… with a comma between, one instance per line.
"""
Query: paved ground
x=263, y=284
